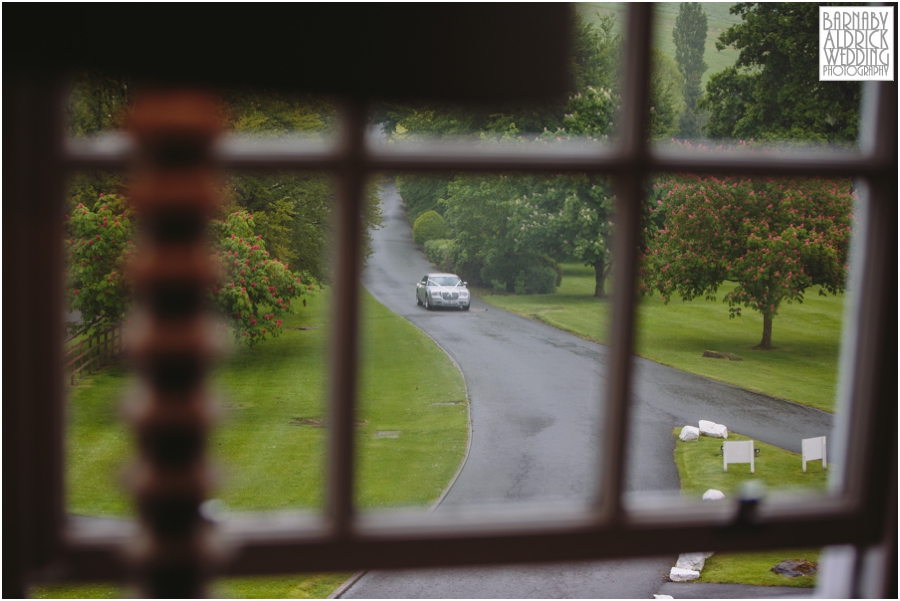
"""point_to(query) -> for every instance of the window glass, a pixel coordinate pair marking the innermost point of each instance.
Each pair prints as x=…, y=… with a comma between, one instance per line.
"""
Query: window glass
x=535, y=253
x=588, y=114
x=744, y=282
x=98, y=102
x=274, y=302
x=101, y=235
x=749, y=74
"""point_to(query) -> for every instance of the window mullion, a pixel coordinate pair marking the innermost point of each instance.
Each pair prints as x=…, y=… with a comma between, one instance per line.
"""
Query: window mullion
x=629, y=189
x=345, y=318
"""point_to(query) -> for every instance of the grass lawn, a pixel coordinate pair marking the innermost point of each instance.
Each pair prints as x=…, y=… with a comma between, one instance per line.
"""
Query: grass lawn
x=802, y=369
x=271, y=443
x=700, y=468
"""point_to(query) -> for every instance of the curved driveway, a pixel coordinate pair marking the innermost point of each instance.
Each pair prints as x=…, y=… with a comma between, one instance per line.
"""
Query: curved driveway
x=534, y=394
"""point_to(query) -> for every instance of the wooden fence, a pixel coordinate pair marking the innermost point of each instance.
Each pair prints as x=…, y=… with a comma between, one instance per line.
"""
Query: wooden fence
x=93, y=353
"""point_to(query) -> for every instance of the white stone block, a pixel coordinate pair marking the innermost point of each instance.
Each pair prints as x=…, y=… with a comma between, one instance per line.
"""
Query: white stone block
x=713, y=495
x=691, y=561
x=682, y=575
x=708, y=428
x=689, y=434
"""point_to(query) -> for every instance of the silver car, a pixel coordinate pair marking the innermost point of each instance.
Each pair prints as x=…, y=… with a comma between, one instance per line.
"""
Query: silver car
x=442, y=290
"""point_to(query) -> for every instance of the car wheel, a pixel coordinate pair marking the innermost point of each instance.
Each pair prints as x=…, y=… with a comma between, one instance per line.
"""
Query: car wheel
x=466, y=308
x=427, y=304
x=418, y=302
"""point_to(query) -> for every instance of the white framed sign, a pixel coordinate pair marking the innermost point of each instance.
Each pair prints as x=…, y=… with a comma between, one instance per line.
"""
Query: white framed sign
x=740, y=451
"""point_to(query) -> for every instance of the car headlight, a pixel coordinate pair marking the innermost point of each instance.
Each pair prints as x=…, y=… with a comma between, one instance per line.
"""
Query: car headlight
x=464, y=294
x=435, y=294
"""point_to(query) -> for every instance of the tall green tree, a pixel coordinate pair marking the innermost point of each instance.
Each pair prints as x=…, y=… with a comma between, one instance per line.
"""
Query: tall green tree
x=570, y=216
x=690, y=40
x=773, y=91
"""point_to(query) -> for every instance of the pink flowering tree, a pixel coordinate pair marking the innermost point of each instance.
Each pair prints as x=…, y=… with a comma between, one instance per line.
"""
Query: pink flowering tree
x=99, y=244
x=774, y=238
x=256, y=290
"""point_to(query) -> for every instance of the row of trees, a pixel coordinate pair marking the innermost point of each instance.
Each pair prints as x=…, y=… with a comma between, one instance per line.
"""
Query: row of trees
x=773, y=238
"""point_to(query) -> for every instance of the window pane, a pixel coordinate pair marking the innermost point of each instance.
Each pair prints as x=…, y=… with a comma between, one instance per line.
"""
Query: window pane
x=740, y=326
x=590, y=112
x=495, y=268
x=274, y=247
x=762, y=86
x=100, y=240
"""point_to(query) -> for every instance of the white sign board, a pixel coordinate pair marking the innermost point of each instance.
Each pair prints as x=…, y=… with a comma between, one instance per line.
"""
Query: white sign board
x=812, y=449
x=740, y=451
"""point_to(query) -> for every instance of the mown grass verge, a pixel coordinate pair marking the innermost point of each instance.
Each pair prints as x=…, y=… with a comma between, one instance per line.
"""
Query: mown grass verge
x=700, y=468
x=802, y=369
x=271, y=440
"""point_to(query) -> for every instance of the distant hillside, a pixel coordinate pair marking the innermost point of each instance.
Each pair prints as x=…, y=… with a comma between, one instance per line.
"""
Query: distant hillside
x=717, y=16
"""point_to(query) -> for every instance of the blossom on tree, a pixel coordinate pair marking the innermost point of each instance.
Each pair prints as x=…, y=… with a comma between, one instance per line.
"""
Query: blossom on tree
x=98, y=247
x=774, y=238
x=256, y=290
x=570, y=215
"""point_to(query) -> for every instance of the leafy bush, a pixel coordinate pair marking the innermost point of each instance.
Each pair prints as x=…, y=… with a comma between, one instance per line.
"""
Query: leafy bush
x=440, y=253
x=421, y=193
x=429, y=226
x=525, y=274
x=539, y=279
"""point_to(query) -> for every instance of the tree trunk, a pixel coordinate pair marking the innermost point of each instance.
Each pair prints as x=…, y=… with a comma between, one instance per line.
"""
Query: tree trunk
x=599, y=279
x=766, y=344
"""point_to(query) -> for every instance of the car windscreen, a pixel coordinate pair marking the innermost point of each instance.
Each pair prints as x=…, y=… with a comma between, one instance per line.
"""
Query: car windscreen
x=445, y=281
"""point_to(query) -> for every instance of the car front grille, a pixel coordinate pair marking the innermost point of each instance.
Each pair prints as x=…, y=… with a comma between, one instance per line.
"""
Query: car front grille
x=450, y=295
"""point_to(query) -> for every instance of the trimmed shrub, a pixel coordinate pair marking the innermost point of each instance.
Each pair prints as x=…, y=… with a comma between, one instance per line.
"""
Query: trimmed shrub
x=540, y=280
x=440, y=253
x=429, y=226
x=421, y=193
x=548, y=261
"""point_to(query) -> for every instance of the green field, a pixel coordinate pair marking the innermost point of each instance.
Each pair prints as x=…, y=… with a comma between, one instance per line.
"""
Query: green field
x=718, y=20
x=270, y=443
x=802, y=369
x=700, y=468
